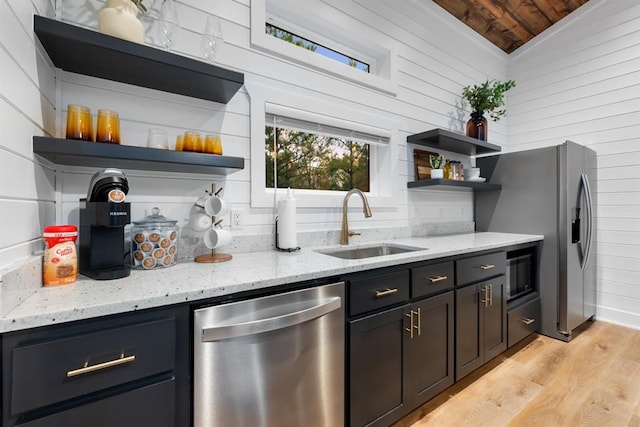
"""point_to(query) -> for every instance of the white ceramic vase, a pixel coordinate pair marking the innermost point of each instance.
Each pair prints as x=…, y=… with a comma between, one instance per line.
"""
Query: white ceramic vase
x=119, y=18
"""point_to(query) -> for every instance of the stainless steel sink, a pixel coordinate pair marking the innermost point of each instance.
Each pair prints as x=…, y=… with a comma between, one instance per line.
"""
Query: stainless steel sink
x=370, y=251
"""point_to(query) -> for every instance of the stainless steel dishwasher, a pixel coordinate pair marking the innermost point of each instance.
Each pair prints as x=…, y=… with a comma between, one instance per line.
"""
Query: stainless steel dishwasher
x=274, y=361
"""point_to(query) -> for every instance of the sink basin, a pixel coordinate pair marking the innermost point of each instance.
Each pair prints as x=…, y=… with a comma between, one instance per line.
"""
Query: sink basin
x=371, y=251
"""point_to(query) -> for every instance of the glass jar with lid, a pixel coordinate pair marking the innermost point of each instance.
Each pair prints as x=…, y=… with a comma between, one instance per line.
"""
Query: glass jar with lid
x=154, y=241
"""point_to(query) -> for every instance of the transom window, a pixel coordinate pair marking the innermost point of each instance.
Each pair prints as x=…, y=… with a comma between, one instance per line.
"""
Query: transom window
x=305, y=43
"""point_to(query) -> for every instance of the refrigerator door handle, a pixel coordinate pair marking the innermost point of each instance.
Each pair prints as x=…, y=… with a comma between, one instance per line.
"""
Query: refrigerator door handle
x=587, y=195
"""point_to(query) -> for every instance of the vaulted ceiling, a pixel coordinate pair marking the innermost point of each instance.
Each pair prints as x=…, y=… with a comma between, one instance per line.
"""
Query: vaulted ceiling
x=509, y=23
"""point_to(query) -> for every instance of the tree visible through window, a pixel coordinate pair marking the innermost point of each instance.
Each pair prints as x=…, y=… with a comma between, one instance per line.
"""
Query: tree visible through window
x=315, y=47
x=315, y=162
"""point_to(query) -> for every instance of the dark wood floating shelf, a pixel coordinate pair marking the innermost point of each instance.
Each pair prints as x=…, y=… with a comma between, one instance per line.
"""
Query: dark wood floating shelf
x=448, y=184
x=452, y=141
x=95, y=54
x=95, y=154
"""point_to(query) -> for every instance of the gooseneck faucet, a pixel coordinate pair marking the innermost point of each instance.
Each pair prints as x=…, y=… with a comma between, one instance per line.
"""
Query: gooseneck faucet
x=345, y=233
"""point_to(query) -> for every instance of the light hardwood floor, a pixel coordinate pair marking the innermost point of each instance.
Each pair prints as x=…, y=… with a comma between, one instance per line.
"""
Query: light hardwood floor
x=592, y=381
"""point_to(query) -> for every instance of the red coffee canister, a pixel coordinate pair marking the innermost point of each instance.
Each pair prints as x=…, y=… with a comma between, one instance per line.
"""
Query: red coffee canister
x=60, y=264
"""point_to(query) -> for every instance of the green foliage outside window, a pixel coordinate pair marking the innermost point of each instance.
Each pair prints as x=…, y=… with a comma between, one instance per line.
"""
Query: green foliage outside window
x=315, y=162
x=287, y=36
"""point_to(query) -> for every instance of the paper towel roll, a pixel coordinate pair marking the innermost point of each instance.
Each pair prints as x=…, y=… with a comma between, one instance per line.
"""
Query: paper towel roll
x=287, y=238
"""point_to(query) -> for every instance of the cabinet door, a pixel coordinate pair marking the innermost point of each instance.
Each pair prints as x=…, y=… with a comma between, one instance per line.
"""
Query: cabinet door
x=469, y=331
x=495, y=318
x=430, y=351
x=376, y=386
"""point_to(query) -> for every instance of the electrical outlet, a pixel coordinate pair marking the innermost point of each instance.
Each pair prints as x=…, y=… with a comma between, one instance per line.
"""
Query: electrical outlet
x=236, y=218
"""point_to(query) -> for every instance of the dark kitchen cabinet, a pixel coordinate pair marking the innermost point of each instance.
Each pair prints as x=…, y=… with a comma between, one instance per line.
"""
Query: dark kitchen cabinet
x=429, y=368
x=129, y=370
x=377, y=395
x=481, y=324
x=399, y=357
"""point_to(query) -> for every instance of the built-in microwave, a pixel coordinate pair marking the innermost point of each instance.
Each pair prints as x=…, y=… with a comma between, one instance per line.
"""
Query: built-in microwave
x=520, y=274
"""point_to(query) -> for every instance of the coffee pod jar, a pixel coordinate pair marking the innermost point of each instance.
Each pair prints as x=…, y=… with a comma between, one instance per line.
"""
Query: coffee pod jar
x=154, y=242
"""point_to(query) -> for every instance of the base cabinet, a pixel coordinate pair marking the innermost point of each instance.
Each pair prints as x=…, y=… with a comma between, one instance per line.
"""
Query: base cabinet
x=430, y=367
x=399, y=359
x=128, y=370
x=481, y=324
x=376, y=366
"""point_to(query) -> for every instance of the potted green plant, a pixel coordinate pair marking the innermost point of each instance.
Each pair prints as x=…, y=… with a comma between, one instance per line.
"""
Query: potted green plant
x=487, y=97
x=436, y=166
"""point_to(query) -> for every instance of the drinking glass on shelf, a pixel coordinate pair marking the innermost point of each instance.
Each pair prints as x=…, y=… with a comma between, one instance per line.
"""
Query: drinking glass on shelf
x=190, y=142
x=157, y=138
x=168, y=24
x=211, y=38
x=179, y=143
x=213, y=144
x=108, y=127
x=79, y=123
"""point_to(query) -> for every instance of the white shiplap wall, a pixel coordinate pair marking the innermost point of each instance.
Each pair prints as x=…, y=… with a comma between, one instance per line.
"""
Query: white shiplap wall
x=581, y=81
x=436, y=58
x=27, y=108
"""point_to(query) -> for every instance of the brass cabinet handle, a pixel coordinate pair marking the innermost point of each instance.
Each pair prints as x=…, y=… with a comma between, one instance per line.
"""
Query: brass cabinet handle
x=437, y=279
x=115, y=362
x=386, y=292
x=490, y=297
x=410, y=328
x=484, y=298
x=527, y=321
x=419, y=321
x=413, y=326
x=487, y=266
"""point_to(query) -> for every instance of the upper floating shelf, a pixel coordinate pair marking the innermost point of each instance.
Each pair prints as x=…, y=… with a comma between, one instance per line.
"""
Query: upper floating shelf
x=95, y=54
x=96, y=154
x=452, y=141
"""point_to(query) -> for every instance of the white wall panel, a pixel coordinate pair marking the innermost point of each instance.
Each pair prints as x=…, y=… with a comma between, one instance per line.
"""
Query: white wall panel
x=27, y=108
x=580, y=81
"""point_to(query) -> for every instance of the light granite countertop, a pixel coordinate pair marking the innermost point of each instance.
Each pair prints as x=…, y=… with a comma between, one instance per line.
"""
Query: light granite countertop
x=190, y=281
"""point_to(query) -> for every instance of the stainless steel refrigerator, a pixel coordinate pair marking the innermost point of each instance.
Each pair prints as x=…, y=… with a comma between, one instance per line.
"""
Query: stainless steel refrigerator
x=549, y=191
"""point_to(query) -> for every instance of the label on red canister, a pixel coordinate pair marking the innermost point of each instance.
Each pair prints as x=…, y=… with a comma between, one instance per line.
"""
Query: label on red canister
x=60, y=264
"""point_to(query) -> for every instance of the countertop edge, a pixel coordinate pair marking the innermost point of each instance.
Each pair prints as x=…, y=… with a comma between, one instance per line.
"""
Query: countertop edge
x=198, y=282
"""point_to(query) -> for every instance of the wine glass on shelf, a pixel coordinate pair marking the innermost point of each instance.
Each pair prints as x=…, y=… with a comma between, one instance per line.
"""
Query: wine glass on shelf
x=168, y=24
x=211, y=38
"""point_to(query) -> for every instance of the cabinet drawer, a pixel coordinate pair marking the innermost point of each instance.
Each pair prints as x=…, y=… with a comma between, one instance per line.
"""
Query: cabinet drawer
x=153, y=405
x=51, y=371
x=430, y=279
x=522, y=321
x=480, y=267
x=376, y=291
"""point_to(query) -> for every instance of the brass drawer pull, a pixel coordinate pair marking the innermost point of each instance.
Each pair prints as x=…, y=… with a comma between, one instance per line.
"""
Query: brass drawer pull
x=86, y=368
x=386, y=292
x=437, y=279
x=527, y=321
x=487, y=266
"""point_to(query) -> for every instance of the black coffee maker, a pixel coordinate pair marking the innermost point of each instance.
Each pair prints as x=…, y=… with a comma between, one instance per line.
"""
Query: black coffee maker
x=103, y=216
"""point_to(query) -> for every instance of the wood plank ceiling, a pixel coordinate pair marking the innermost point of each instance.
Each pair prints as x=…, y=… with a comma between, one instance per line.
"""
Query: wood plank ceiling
x=509, y=23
